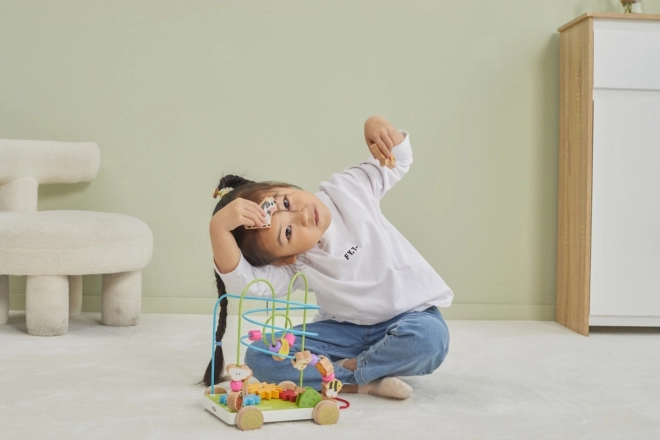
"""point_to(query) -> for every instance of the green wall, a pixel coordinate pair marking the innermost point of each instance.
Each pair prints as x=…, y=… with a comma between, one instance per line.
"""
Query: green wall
x=176, y=93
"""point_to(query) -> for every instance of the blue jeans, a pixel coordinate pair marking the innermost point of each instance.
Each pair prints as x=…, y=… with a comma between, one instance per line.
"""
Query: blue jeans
x=411, y=344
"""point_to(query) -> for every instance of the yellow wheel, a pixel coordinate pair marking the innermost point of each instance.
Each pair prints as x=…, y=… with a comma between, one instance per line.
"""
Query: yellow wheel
x=249, y=418
x=326, y=412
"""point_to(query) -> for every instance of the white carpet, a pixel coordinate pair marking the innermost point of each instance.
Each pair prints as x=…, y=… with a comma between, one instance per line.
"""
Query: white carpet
x=501, y=380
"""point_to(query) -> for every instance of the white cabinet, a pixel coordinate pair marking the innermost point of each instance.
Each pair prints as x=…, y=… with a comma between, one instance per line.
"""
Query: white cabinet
x=608, y=262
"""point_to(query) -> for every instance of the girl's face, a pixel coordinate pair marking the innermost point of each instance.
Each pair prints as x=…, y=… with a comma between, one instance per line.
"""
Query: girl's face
x=297, y=225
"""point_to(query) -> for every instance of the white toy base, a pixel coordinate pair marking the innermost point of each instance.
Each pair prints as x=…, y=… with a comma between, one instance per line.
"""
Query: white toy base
x=270, y=413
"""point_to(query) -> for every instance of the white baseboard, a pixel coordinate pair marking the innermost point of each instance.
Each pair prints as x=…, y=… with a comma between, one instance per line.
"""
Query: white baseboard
x=624, y=321
x=204, y=306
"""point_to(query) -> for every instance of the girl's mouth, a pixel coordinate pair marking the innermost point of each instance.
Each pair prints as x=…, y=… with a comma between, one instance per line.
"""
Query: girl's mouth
x=316, y=217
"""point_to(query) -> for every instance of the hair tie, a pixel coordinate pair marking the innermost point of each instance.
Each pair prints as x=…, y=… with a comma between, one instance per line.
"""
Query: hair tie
x=221, y=192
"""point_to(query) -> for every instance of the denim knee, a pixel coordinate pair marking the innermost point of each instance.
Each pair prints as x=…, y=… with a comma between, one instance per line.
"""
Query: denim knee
x=427, y=339
x=256, y=360
x=438, y=343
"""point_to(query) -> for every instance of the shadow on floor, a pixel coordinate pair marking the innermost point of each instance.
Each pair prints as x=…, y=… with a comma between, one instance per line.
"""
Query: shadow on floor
x=625, y=330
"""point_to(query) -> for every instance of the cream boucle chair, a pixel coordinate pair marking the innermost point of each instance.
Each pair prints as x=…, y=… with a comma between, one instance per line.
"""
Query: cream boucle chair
x=55, y=248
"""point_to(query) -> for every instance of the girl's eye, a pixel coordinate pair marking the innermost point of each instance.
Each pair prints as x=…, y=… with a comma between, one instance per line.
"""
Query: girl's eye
x=286, y=203
x=287, y=232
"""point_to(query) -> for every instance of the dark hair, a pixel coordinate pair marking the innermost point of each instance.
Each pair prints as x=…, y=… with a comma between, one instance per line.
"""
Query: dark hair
x=250, y=246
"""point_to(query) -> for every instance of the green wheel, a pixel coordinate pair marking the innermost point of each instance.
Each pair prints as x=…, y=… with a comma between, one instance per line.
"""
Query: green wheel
x=326, y=412
x=249, y=418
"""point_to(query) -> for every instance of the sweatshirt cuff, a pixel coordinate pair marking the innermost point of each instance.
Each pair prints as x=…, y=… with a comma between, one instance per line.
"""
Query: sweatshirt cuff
x=241, y=264
x=403, y=151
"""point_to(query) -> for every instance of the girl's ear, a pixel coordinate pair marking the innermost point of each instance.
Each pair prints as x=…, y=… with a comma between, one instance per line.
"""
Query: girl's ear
x=285, y=261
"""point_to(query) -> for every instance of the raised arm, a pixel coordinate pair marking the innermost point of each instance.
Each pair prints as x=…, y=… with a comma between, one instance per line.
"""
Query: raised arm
x=373, y=177
x=237, y=213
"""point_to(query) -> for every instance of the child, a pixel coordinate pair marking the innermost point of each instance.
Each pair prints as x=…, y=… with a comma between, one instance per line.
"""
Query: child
x=378, y=296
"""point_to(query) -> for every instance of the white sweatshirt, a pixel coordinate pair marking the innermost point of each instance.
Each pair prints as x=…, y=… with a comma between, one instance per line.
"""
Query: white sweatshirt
x=363, y=270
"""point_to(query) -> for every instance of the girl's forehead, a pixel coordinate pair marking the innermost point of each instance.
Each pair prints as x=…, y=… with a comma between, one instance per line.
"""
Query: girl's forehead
x=281, y=192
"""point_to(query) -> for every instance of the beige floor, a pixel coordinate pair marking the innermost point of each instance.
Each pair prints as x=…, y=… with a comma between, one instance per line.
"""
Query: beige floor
x=502, y=380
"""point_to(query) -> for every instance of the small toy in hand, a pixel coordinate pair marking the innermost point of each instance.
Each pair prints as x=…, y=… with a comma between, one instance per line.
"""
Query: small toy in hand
x=390, y=161
x=269, y=205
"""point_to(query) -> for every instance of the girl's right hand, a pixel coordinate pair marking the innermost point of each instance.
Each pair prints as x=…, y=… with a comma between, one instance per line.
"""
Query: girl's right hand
x=381, y=137
x=239, y=212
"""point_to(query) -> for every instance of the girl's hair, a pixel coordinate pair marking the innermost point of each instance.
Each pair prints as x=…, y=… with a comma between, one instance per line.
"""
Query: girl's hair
x=251, y=248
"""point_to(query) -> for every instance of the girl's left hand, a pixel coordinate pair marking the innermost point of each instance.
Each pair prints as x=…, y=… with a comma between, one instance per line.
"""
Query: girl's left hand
x=381, y=137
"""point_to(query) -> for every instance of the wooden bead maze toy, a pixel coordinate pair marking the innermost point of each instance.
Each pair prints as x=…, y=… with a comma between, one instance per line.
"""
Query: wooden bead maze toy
x=250, y=405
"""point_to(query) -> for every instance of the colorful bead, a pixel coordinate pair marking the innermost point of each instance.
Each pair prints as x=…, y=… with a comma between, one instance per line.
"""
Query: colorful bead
x=239, y=373
x=331, y=389
x=290, y=338
x=254, y=335
x=275, y=348
x=301, y=360
x=329, y=378
x=236, y=385
x=314, y=360
x=284, y=350
x=324, y=366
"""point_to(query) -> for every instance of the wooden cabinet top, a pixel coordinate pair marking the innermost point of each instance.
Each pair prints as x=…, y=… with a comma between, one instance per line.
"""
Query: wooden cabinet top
x=610, y=16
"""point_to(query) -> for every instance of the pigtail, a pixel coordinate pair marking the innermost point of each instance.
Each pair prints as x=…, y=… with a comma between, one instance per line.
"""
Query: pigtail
x=229, y=181
x=219, y=334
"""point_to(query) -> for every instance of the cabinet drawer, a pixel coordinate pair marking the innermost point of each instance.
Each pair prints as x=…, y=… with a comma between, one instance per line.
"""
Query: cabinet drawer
x=627, y=59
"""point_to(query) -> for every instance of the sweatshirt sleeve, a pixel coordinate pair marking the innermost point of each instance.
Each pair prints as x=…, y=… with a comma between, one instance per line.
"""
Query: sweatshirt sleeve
x=278, y=276
x=376, y=180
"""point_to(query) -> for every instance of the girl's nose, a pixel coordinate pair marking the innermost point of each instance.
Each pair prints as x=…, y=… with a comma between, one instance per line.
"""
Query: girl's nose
x=292, y=216
x=304, y=217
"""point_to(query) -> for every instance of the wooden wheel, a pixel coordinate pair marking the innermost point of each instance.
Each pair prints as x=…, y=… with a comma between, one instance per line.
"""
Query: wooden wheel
x=326, y=412
x=249, y=418
x=287, y=385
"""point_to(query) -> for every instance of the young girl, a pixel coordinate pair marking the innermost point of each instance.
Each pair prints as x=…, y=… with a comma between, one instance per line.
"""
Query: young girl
x=378, y=296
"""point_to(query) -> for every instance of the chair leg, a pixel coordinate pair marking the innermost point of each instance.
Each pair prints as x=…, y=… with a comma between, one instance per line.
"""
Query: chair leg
x=121, y=298
x=47, y=305
x=4, y=299
x=75, y=295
